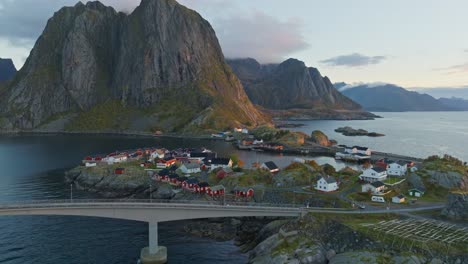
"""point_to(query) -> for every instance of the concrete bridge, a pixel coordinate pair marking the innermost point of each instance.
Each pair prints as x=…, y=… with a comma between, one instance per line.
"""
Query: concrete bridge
x=155, y=211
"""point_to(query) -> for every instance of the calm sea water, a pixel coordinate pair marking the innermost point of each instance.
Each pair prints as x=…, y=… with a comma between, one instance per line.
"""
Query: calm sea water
x=32, y=167
x=417, y=134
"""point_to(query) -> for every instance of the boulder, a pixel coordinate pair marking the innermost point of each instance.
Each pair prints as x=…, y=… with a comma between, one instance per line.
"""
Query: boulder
x=320, y=138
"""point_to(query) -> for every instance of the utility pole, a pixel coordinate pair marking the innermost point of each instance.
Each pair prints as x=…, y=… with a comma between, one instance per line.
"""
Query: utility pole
x=71, y=192
x=151, y=190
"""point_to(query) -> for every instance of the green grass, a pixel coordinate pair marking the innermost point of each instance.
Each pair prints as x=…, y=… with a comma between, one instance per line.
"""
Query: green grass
x=109, y=115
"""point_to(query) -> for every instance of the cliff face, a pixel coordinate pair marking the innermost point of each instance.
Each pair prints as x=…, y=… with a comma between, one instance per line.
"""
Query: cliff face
x=289, y=85
x=7, y=69
x=161, y=64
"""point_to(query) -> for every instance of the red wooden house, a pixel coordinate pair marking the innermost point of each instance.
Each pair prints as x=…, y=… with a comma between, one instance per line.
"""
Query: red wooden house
x=202, y=187
x=217, y=190
x=119, y=171
x=383, y=163
x=163, y=176
x=223, y=173
x=244, y=192
x=165, y=163
x=173, y=178
x=190, y=184
x=180, y=180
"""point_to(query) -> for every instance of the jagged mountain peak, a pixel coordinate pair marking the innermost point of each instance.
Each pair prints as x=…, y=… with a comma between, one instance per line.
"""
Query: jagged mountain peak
x=290, y=84
x=162, y=58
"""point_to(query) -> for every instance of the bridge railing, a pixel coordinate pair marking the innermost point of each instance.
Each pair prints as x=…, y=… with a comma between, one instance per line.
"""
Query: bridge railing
x=158, y=202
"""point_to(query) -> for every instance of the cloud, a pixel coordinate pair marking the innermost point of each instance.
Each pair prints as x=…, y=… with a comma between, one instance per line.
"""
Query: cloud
x=259, y=36
x=455, y=69
x=353, y=60
x=363, y=84
x=22, y=21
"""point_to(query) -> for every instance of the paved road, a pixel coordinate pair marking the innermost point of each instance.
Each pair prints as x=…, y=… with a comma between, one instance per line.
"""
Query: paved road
x=146, y=204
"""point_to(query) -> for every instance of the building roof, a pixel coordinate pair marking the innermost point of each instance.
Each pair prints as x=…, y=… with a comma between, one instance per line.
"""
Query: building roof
x=173, y=176
x=328, y=179
x=361, y=155
x=401, y=196
x=270, y=165
x=191, y=165
x=192, y=181
x=163, y=172
x=360, y=148
x=217, y=188
x=419, y=189
x=182, y=178
x=402, y=163
x=203, y=184
x=220, y=161
x=242, y=189
x=379, y=169
x=377, y=184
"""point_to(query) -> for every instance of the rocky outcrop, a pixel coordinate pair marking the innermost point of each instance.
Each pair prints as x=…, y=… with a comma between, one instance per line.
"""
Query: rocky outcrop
x=7, y=70
x=318, y=137
x=290, y=84
x=163, y=57
x=349, y=131
x=457, y=206
x=448, y=180
x=106, y=183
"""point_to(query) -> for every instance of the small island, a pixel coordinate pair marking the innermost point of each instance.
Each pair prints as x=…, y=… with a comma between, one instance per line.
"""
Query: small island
x=349, y=131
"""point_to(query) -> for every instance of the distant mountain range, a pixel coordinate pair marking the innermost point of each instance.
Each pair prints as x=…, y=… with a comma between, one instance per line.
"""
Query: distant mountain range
x=7, y=70
x=392, y=98
x=458, y=103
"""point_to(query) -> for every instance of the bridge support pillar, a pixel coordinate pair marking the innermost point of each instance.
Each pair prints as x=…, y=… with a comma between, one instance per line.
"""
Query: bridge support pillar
x=153, y=254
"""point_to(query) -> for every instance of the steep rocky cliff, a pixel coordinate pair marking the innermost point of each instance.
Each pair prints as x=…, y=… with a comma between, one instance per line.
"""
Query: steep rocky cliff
x=158, y=68
x=290, y=84
x=7, y=70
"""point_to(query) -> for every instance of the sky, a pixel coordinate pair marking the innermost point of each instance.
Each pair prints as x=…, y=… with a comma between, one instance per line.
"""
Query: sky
x=415, y=44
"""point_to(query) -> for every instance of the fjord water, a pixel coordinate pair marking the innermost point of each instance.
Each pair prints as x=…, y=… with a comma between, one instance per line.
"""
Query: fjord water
x=32, y=168
x=416, y=134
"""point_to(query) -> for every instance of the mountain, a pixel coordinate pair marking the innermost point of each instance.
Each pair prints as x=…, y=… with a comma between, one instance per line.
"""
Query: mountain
x=289, y=85
x=454, y=102
x=445, y=92
x=94, y=69
x=7, y=70
x=391, y=98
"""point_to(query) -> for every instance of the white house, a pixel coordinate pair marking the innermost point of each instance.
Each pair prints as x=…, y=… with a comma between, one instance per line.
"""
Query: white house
x=398, y=168
x=347, y=149
x=90, y=164
x=270, y=166
x=326, y=184
x=258, y=142
x=375, y=187
x=374, y=174
x=398, y=199
x=190, y=168
x=116, y=159
x=157, y=154
x=221, y=163
x=362, y=150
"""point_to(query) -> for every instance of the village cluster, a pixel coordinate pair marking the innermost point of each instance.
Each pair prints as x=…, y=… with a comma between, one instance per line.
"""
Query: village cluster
x=180, y=168
x=375, y=179
x=187, y=170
